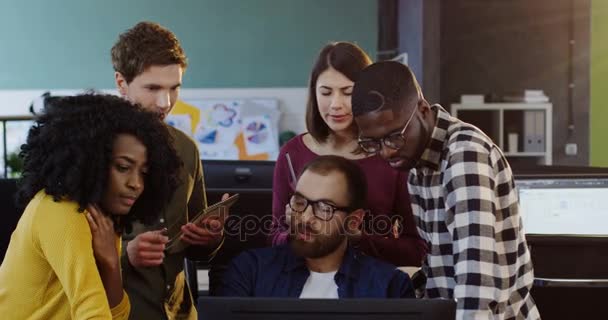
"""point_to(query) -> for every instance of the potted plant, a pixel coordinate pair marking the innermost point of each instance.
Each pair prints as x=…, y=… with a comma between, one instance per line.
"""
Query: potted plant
x=14, y=164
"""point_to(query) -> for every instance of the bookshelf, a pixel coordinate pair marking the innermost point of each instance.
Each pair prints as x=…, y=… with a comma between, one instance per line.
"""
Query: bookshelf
x=499, y=120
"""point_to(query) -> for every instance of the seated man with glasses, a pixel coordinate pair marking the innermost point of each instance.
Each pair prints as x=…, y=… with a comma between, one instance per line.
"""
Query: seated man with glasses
x=318, y=261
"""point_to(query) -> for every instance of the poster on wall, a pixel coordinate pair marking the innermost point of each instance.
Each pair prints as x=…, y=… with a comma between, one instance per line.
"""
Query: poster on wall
x=230, y=129
x=258, y=134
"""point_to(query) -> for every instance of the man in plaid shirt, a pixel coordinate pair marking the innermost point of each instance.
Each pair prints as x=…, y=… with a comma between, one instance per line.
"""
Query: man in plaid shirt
x=462, y=193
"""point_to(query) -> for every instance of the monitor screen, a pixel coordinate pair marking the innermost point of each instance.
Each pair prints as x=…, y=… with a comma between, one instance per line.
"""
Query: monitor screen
x=320, y=309
x=564, y=206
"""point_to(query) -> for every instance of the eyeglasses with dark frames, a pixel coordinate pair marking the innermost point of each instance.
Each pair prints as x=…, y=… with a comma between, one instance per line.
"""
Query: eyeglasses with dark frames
x=320, y=208
x=394, y=140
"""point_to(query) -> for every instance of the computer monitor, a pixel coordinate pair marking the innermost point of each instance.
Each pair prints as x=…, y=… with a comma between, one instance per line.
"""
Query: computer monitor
x=564, y=205
x=565, y=217
x=248, y=225
x=324, y=309
x=252, y=180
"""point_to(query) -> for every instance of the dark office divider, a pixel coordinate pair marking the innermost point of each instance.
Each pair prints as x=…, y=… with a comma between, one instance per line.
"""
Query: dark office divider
x=570, y=303
x=10, y=215
x=570, y=258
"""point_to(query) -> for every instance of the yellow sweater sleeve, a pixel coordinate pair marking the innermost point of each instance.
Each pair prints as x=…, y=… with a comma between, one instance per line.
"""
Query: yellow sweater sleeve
x=122, y=310
x=64, y=238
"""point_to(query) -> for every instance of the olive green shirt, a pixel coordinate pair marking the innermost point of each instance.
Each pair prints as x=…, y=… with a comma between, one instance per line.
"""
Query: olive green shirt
x=161, y=292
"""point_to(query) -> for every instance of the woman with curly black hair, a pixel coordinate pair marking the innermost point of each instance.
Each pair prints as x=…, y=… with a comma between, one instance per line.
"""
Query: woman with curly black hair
x=92, y=164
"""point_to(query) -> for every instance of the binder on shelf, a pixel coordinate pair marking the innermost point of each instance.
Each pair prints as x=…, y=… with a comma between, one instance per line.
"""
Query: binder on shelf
x=539, y=142
x=534, y=131
x=529, y=131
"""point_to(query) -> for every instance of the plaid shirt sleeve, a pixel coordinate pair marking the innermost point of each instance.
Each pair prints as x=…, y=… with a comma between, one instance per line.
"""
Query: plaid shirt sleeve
x=475, y=195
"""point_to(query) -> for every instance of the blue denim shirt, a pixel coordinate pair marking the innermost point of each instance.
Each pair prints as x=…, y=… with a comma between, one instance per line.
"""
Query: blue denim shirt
x=278, y=272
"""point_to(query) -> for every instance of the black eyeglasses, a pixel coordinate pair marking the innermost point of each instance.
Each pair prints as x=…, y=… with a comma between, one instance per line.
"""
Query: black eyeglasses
x=320, y=209
x=394, y=140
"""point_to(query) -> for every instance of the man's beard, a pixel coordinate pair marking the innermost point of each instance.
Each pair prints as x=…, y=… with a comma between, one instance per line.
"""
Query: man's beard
x=321, y=246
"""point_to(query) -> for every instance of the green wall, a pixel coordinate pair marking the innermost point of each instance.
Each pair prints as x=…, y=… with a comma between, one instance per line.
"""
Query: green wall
x=599, y=83
x=64, y=44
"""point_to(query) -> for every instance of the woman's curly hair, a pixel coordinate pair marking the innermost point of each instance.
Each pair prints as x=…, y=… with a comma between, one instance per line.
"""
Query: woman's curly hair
x=68, y=152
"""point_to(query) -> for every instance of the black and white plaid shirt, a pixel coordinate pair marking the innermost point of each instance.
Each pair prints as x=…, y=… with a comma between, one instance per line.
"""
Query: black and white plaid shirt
x=466, y=208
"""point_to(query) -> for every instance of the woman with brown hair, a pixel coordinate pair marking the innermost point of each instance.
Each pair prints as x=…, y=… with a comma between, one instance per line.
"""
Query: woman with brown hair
x=389, y=232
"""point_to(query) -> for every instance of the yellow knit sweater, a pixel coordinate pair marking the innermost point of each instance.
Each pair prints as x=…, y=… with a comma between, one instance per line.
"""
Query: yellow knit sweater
x=49, y=270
